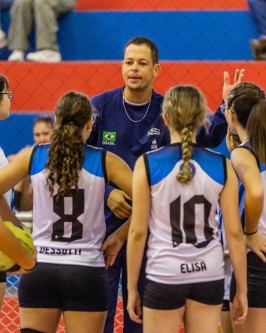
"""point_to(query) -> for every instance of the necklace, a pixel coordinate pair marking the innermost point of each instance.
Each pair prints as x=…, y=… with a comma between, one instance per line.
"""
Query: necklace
x=136, y=121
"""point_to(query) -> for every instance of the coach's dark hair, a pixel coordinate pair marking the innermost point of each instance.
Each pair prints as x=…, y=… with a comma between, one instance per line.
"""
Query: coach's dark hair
x=185, y=109
x=66, y=153
x=4, y=85
x=146, y=41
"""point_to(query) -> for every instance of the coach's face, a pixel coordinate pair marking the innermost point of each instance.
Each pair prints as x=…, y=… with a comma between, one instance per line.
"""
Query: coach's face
x=137, y=67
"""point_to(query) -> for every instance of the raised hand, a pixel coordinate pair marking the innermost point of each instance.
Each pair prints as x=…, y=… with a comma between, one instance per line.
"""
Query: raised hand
x=228, y=86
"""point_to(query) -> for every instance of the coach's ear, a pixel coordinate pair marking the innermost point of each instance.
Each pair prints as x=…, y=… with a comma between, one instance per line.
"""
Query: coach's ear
x=156, y=70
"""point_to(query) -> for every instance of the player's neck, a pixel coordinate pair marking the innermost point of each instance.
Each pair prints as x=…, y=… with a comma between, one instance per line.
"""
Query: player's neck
x=137, y=96
x=242, y=133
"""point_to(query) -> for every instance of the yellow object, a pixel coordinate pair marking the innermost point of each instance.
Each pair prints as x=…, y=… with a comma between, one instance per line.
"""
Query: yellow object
x=25, y=238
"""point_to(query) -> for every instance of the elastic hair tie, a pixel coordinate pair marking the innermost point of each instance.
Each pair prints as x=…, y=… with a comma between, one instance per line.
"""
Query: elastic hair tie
x=68, y=121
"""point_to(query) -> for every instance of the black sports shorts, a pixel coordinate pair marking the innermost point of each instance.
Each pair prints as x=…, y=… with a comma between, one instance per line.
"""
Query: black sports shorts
x=256, y=276
x=226, y=306
x=65, y=287
x=169, y=297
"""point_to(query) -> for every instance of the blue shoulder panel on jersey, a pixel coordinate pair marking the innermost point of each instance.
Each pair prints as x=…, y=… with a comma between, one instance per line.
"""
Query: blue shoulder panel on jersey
x=212, y=163
x=39, y=158
x=155, y=158
x=93, y=161
x=262, y=167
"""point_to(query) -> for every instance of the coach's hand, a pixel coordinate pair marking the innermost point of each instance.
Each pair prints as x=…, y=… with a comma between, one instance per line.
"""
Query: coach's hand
x=228, y=86
x=117, y=202
x=113, y=244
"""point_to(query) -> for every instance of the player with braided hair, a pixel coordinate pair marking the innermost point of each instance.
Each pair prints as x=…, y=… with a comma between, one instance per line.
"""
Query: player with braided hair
x=176, y=190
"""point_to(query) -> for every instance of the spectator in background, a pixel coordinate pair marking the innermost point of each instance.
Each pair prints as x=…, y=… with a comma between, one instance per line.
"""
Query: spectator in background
x=23, y=195
x=4, y=4
x=42, y=128
x=44, y=15
x=258, y=11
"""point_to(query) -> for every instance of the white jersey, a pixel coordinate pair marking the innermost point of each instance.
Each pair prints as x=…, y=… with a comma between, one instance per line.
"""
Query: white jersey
x=184, y=244
x=3, y=163
x=70, y=230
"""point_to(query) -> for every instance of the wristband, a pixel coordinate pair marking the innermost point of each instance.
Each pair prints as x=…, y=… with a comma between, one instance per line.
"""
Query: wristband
x=251, y=233
x=31, y=269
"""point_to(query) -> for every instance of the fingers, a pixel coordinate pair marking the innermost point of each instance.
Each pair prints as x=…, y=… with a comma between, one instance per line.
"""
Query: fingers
x=125, y=207
x=261, y=255
x=241, y=75
x=122, y=212
x=105, y=245
x=239, y=309
x=109, y=261
x=239, y=317
x=257, y=244
x=236, y=76
x=134, y=316
x=127, y=197
x=226, y=78
x=134, y=307
x=109, y=242
x=118, y=205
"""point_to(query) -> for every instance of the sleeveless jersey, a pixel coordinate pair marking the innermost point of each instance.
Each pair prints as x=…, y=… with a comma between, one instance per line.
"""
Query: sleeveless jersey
x=69, y=230
x=184, y=243
x=262, y=168
x=3, y=163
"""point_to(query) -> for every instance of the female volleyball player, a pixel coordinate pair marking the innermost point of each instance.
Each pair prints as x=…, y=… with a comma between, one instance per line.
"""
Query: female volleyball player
x=68, y=180
x=8, y=243
x=246, y=116
x=176, y=190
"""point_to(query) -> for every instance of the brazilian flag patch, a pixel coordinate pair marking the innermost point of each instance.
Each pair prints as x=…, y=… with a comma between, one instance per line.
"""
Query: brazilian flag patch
x=109, y=137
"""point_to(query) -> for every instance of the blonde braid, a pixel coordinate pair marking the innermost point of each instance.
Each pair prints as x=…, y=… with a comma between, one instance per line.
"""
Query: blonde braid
x=185, y=174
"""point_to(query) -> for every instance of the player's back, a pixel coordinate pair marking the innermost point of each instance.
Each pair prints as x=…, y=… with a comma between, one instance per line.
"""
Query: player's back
x=69, y=229
x=182, y=222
